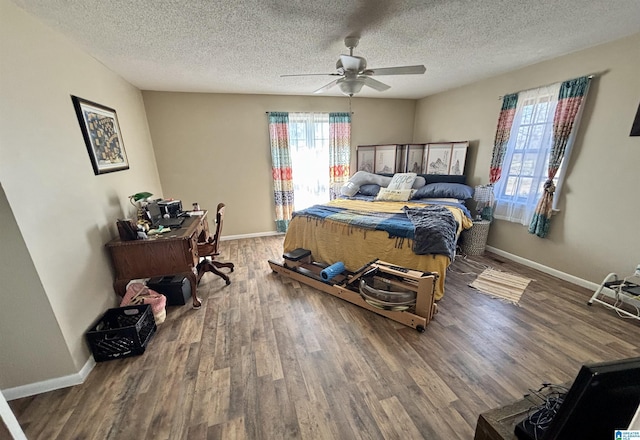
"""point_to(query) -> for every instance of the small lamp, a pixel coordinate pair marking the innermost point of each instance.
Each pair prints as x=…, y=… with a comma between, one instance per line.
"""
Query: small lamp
x=140, y=197
x=485, y=202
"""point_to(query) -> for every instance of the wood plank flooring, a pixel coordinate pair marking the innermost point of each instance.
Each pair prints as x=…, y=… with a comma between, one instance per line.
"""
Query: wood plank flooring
x=270, y=358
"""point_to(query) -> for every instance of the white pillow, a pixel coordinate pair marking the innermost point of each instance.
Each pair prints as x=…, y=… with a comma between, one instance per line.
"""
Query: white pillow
x=394, y=195
x=402, y=181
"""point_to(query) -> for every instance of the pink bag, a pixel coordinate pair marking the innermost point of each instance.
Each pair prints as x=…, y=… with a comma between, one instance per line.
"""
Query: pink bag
x=138, y=293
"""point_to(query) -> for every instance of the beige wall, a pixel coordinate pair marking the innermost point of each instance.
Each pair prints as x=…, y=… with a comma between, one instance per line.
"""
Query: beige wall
x=26, y=308
x=597, y=230
x=214, y=148
x=63, y=212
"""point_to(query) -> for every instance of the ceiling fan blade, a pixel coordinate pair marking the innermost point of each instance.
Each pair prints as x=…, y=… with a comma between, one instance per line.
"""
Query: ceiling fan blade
x=350, y=62
x=328, y=86
x=312, y=74
x=374, y=84
x=400, y=70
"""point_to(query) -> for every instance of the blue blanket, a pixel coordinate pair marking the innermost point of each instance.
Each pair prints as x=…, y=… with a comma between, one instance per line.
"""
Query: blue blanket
x=395, y=224
x=435, y=230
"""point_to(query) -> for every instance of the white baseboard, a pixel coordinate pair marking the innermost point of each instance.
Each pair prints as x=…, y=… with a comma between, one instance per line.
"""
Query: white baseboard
x=10, y=421
x=548, y=270
x=50, y=384
x=254, y=235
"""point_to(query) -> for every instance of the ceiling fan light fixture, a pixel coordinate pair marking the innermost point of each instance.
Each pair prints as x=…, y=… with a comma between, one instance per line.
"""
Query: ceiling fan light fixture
x=350, y=86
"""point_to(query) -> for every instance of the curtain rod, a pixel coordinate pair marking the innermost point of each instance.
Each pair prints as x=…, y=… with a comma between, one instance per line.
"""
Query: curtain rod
x=590, y=76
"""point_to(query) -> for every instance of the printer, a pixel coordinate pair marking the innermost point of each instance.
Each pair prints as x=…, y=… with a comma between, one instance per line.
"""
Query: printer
x=171, y=207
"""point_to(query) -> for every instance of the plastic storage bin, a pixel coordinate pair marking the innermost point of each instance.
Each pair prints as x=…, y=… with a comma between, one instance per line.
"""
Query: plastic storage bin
x=177, y=289
x=121, y=332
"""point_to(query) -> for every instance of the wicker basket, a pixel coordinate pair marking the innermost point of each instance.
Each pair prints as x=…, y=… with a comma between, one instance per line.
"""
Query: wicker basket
x=473, y=241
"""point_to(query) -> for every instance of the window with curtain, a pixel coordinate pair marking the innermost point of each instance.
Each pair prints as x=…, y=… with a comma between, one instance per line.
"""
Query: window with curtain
x=526, y=158
x=310, y=155
x=535, y=134
x=309, y=149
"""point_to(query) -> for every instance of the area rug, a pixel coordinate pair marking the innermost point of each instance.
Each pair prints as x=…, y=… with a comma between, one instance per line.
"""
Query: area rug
x=502, y=285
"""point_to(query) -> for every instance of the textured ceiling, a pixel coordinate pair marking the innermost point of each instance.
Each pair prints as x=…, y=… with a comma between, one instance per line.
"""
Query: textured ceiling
x=243, y=46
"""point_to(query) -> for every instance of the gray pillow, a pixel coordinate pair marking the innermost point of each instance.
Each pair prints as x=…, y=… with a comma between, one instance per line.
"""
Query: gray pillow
x=362, y=178
x=369, y=189
x=444, y=190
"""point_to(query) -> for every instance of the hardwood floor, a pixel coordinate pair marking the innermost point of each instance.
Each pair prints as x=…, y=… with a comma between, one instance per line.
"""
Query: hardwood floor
x=269, y=358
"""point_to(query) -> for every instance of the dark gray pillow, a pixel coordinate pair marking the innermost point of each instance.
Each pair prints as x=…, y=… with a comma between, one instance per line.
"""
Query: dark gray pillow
x=444, y=190
x=449, y=178
x=370, y=189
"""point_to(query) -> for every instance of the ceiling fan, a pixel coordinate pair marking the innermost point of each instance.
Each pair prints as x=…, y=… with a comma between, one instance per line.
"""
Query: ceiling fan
x=354, y=74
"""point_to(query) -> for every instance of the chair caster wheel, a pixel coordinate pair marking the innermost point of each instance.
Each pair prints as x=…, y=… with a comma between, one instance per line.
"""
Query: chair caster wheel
x=420, y=329
x=228, y=282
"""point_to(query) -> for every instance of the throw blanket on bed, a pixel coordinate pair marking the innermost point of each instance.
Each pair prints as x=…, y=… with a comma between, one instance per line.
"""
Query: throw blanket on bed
x=397, y=225
x=435, y=230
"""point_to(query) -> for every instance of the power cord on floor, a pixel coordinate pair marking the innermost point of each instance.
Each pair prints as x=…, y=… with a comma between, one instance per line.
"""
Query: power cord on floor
x=462, y=259
x=540, y=416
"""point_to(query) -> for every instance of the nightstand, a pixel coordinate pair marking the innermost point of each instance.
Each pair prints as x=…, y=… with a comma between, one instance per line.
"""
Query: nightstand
x=473, y=241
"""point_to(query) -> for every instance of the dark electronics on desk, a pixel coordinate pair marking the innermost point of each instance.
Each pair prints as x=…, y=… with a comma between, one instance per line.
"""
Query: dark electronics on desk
x=167, y=213
x=603, y=399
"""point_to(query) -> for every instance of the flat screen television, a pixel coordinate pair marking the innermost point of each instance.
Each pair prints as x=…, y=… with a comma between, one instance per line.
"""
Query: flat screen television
x=604, y=398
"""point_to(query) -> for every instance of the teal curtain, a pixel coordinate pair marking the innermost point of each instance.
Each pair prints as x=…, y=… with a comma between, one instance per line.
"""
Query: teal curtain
x=572, y=95
x=339, y=151
x=503, y=132
x=281, y=168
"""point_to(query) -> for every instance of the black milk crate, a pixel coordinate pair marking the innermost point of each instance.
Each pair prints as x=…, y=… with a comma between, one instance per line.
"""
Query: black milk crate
x=121, y=332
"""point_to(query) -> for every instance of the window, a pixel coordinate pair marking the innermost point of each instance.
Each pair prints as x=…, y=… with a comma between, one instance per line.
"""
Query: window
x=526, y=160
x=309, y=146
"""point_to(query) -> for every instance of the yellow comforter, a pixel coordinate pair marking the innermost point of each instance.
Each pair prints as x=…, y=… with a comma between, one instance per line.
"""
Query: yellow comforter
x=330, y=241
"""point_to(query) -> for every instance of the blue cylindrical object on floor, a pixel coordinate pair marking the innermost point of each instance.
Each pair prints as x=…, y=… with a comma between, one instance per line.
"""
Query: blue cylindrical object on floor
x=333, y=270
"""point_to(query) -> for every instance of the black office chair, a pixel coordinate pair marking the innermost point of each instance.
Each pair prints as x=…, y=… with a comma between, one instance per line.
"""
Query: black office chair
x=208, y=250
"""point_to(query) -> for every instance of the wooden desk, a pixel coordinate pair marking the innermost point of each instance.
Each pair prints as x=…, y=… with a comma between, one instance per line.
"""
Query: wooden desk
x=172, y=253
x=500, y=423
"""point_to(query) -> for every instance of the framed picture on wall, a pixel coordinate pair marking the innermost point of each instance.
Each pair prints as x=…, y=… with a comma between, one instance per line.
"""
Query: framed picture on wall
x=102, y=136
x=366, y=158
x=385, y=159
x=458, y=157
x=635, y=128
x=438, y=158
x=415, y=157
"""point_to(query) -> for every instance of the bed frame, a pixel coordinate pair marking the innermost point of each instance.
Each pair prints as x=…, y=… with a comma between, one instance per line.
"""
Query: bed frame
x=298, y=265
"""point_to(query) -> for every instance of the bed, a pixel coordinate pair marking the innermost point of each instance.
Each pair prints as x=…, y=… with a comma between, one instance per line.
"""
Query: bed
x=358, y=229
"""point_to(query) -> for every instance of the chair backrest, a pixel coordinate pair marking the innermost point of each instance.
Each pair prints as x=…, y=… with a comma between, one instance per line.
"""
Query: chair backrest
x=219, y=220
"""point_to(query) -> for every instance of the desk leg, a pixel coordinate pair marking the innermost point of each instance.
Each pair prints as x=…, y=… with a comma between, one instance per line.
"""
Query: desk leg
x=120, y=287
x=193, y=279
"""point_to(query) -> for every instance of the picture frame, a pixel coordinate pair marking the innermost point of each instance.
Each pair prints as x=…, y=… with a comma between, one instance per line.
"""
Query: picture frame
x=366, y=158
x=635, y=127
x=415, y=158
x=437, y=158
x=458, y=158
x=102, y=136
x=385, y=159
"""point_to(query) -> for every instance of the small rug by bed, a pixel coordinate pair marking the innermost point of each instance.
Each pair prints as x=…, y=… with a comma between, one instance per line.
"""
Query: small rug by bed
x=501, y=285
